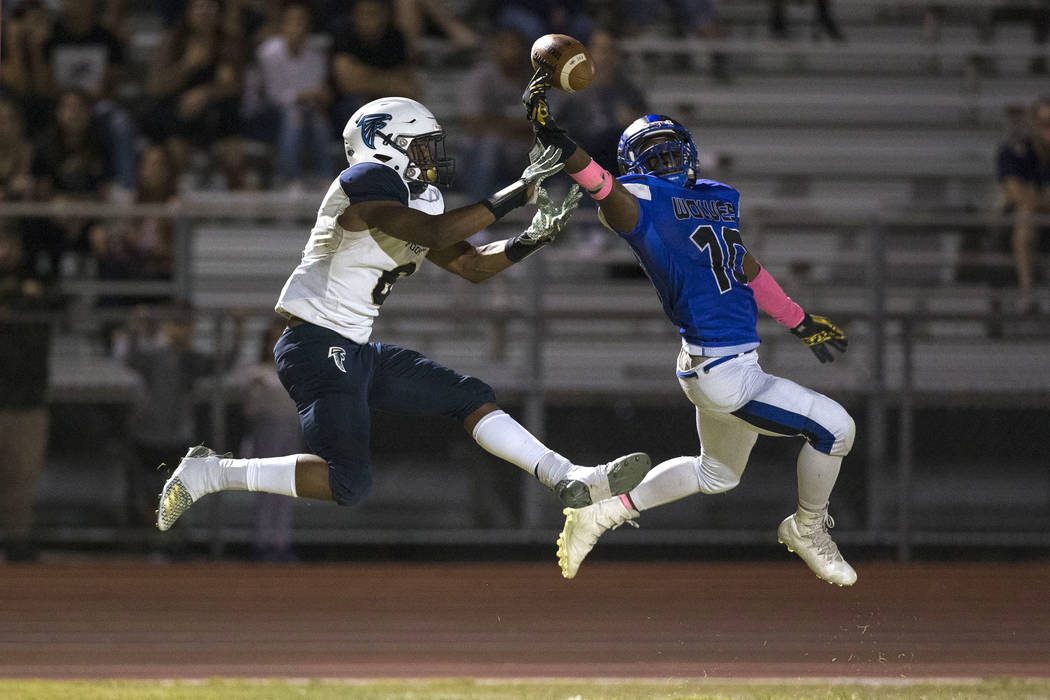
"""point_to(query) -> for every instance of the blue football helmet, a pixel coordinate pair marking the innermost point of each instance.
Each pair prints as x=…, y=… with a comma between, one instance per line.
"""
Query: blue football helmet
x=660, y=146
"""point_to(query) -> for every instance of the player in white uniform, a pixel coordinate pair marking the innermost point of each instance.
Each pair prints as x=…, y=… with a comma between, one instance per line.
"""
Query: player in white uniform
x=381, y=217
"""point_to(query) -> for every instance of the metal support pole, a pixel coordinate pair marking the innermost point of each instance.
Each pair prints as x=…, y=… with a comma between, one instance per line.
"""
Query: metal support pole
x=183, y=264
x=876, y=437
x=535, y=398
x=218, y=432
x=905, y=446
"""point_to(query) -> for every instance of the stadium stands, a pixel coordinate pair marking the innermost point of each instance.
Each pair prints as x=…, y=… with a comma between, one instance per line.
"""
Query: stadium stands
x=883, y=142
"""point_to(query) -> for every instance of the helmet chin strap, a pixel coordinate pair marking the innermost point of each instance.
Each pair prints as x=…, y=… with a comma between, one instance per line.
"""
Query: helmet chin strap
x=414, y=172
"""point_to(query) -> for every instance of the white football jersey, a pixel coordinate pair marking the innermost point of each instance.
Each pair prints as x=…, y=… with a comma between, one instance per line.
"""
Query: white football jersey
x=344, y=276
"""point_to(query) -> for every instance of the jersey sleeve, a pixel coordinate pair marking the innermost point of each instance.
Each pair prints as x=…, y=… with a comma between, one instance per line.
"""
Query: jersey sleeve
x=371, y=182
x=643, y=193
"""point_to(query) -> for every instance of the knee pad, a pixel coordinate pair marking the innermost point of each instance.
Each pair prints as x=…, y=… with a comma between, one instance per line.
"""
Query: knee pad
x=834, y=430
x=845, y=431
x=350, y=484
x=841, y=425
x=713, y=476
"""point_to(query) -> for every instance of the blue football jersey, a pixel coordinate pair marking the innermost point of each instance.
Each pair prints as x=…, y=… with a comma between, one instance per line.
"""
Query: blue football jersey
x=688, y=242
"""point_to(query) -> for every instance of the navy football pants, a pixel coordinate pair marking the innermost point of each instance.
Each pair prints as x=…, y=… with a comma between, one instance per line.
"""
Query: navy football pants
x=335, y=382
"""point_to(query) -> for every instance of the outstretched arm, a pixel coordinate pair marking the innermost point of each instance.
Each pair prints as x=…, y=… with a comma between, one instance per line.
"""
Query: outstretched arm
x=619, y=208
x=479, y=264
x=439, y=231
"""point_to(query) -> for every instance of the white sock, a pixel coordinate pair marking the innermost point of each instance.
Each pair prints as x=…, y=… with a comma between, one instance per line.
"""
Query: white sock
x=668, y=481
x=270, y=474
x=817, y=473
x=501, y=435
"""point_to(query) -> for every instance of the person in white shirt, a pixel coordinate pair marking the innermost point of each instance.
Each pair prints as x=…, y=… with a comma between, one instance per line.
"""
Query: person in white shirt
x=293, y=79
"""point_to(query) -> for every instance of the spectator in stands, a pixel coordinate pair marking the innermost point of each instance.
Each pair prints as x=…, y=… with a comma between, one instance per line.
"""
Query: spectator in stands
x=490, y=104
x=415, y=17
x=158, y=344
x=824, y=23
x=370, y=59
x=16, y=154
x=24, y=352
x=534, y=18
x=272, y=430
x=139, y=248
x=70, y=161
x=194, y=90
x=81, y=53
x=70, y=165
x=23, y=61
x=293, y=80
x=599, y=114
x=1024, y=179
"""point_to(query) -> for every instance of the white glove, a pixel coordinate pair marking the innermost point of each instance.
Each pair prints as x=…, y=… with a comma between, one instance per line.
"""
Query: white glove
x=542, y=165
x=550, y=218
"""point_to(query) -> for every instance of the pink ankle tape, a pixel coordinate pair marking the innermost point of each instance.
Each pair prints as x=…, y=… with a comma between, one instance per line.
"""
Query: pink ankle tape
x=772, y=299
x=626, y=501
x=595, y=179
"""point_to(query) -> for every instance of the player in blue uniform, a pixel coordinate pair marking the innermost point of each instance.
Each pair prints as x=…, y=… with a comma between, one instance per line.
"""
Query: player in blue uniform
x=685, y=232
x=378, y=221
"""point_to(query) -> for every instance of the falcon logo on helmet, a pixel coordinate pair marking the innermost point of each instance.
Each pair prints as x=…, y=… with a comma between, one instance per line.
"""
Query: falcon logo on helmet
x=660, y=146
x=370, y=125
x=410, y=141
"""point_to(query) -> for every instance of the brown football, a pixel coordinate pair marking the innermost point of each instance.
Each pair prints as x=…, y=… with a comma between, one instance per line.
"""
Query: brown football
x=567, y=60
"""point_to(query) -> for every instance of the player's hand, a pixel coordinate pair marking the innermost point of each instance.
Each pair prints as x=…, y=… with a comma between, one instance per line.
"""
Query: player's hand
x=821, y=335
x=542, y=165
x=538, y=112
x=535, y=100
x=550, y=218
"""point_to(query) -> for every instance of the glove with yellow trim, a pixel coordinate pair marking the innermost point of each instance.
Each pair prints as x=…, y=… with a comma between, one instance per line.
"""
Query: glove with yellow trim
x=537, y=111
x=821, y=335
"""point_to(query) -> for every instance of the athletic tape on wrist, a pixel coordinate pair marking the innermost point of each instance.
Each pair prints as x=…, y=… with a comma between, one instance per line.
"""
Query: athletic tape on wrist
x=772, y=299
x=510, y=197
x=595, y=180
x=516, y=250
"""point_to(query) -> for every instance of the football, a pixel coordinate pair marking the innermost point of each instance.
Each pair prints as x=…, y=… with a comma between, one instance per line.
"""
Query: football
x=567, y=60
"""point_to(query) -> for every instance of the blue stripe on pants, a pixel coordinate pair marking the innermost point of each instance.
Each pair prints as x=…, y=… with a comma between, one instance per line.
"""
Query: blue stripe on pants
x=777, y=420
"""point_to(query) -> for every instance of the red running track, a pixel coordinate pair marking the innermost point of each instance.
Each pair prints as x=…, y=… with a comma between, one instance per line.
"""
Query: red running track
x=616, y=619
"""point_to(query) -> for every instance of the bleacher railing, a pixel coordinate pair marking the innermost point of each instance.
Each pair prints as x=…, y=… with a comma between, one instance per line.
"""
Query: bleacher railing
x=890, y=315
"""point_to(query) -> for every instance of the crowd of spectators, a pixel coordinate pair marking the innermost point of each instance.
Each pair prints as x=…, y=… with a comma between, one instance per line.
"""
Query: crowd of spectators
x=106, y=101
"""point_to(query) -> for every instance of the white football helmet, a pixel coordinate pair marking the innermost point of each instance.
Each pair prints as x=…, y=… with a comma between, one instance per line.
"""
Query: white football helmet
x=401, y=134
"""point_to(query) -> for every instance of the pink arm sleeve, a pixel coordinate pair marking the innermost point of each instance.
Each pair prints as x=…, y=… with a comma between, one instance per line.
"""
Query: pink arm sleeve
x=772, y=299
x=595, y=179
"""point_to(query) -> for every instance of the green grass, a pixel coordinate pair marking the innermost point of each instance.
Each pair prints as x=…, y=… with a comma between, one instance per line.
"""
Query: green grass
x=472, y=689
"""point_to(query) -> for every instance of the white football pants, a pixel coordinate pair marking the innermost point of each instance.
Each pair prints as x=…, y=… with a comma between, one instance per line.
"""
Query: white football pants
x=736, y=401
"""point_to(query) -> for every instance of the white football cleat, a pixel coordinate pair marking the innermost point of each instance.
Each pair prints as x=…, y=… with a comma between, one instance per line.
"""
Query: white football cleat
x=583, y=527
x=187, y=484
x=806, y=534
x=583, y=486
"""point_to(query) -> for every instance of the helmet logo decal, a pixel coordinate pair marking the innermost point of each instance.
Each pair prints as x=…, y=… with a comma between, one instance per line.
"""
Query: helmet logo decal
x=370, y=125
